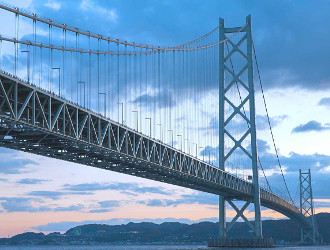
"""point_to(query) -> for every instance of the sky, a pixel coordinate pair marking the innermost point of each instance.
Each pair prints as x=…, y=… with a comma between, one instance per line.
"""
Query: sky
x=291, y=40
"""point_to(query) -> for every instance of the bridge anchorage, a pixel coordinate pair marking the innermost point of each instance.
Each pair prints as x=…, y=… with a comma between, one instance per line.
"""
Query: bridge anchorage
x=71, y=125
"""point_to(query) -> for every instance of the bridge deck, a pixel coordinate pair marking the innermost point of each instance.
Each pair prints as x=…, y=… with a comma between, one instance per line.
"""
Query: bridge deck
x=39, y=122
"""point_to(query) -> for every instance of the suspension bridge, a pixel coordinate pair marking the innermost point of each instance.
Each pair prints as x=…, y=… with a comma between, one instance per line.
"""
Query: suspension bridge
x=183, y=115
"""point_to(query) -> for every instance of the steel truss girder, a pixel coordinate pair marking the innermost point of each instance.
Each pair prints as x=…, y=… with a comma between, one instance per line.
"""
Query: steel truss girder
x=54, y=127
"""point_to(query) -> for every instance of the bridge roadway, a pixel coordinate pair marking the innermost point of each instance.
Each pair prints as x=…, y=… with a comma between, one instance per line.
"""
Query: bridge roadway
x=39, y=122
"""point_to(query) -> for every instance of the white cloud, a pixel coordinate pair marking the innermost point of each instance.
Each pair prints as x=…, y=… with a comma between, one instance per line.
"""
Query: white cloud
x=88, y=5
x=53, y=5
x=325, y=170
x=19, y=3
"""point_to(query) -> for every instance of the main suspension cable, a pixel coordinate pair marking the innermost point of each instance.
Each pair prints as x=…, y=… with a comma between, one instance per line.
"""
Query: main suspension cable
x=269, y=124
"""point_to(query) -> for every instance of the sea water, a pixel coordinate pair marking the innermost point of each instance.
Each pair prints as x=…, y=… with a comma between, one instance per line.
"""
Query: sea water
x=151, y=247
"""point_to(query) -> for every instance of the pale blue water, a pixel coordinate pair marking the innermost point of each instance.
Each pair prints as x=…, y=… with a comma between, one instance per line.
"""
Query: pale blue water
x=151, y=247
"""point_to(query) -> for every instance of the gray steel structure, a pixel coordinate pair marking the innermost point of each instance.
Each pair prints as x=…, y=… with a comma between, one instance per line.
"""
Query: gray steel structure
x=307, y=208
x=39, y=122
x=225, y=85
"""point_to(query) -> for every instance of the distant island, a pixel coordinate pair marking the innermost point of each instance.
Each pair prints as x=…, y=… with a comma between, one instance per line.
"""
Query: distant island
x=282, y=231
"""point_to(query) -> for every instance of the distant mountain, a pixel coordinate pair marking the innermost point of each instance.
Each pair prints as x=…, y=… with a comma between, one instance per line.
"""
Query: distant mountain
x=169, y=232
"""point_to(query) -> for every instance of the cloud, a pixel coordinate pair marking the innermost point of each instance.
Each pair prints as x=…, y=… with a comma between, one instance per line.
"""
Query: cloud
x=325, y=102
x=262, y=121
x=291, y=163
x=30, y=181
x=12, y=165
x=303, y=161
x=53, y=5
x=160, y=202
x=123, y=187
x=262, y=146
x=311, y=126
x=87, y=187
x=168, y=24
x=195, y=198
x=70, y=208
x=54, y=195
x=165, y=99
x=209, y=151
x=240, y=125
x=103, y=210
x=109, y=203
x=21, y=204
x=89, y=6
x=11, y=162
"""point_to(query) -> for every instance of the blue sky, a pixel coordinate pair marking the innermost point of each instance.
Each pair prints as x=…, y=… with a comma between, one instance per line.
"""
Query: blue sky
x=292, y=43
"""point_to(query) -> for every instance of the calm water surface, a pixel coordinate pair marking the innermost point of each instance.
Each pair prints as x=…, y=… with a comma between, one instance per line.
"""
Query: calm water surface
x=149, y=247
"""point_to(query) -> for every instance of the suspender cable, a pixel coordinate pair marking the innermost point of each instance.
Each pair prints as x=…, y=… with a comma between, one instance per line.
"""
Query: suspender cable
x=140, y=91
x=40, y=70
x=16, y=44
x=107, y=90
x=71, y=72
x=89, y=74
x=125, y=89
x=49, y=57
x=118, y=91
x=63, y=65
x=112, y=87
x=34, y=49
x=76, y=67
x=98, y=76
x=1, y=54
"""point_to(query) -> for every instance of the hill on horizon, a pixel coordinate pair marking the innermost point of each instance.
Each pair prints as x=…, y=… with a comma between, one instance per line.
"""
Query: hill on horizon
x=284, y=230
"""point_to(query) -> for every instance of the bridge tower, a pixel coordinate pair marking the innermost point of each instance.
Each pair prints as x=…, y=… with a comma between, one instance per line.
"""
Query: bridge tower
x=306, y=207
x=231, y=79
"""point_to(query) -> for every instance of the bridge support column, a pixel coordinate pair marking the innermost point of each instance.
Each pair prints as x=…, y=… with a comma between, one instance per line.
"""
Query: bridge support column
x=255, y=169
x=232, y=79
x=222, y=218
